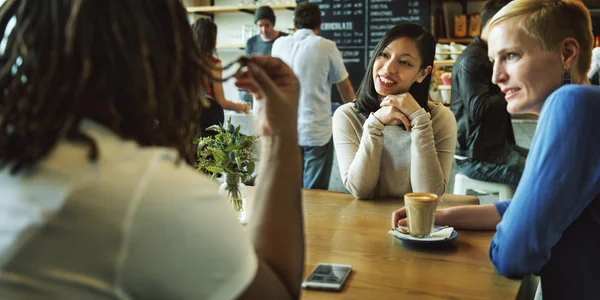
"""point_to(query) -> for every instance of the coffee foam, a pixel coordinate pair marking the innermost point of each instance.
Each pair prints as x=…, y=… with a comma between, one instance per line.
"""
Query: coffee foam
x=420, y=212
x=420, y=197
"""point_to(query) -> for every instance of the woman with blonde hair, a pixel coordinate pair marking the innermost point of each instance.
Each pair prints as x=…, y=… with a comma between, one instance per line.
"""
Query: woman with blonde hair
x=541, y=52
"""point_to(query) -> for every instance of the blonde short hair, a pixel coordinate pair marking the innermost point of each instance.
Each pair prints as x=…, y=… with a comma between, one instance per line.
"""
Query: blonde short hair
x=551, y=22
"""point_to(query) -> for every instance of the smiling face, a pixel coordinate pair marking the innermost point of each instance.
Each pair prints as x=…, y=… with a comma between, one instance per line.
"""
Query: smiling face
x=525, y=74
x=397, y=67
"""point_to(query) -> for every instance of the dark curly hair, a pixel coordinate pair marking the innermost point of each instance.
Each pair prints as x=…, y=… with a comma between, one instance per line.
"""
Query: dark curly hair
x=307, y=15
x=129, y=65
x=367, y=99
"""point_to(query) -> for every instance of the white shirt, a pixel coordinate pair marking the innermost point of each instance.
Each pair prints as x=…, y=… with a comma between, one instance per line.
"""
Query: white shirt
x=133, y=225
x=595, y=67
x=318, y=64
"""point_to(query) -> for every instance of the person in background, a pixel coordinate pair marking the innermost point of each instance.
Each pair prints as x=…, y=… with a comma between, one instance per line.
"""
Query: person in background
x=594, y=72
x=264, y=18
x=206, y=37
x=318, y=64
x=486, y=148
x=100, y=107
x=392, y=140
x=541, y=52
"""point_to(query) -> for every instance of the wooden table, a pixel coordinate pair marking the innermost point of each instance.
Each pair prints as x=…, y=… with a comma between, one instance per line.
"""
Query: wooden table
x=341, y=229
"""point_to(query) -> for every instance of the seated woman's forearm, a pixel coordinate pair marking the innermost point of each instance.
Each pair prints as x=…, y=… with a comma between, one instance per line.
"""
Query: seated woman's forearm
x=359, y=164
x=359, y=189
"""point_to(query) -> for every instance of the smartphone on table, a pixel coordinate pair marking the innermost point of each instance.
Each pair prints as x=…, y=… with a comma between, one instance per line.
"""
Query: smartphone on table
x=327, y=277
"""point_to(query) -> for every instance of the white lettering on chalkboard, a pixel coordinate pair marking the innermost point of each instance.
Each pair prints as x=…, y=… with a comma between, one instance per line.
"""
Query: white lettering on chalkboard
x=383, y=27
x=397, y=19
x=337, y=26
x=351, y=56
x=379, y=6
x=381, y=13
x=351, y=60
x=413, y=11
x=350, y=53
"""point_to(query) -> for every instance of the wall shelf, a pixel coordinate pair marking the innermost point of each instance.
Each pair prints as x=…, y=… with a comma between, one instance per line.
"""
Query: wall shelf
x=443, y=63
x=456, y=40
x=448, y=52
x=212, y=10
x=231, y=46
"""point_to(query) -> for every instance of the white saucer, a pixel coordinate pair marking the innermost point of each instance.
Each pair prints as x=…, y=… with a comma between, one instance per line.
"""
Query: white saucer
x=440, y=235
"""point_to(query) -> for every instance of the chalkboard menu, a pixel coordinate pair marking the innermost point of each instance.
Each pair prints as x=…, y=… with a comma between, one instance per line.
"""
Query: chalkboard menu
x=357, y=25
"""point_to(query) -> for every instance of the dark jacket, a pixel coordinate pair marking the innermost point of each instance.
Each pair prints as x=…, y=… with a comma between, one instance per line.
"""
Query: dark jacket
x=484, y=126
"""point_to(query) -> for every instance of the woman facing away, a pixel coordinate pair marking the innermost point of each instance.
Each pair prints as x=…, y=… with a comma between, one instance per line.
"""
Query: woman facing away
x=205, y=33
x=100, y=102
x=542, y=52
x=391, y=140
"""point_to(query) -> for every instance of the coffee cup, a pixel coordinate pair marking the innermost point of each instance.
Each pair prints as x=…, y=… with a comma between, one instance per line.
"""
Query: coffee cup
x=420, y=213
x=446, y=78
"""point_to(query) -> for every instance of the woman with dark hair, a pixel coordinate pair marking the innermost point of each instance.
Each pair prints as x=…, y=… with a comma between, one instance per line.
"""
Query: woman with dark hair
x=99, y=103
x=205, y=33
x=391, y=140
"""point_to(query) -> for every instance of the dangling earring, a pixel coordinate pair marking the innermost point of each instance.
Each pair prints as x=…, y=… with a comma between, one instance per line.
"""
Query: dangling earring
x=566, y=77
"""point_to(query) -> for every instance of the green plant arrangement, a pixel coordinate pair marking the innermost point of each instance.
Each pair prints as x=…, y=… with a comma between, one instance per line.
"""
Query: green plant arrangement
x=228, y=152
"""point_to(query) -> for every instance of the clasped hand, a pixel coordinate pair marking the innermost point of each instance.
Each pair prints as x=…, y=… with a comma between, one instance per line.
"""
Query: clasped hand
x=395, y=110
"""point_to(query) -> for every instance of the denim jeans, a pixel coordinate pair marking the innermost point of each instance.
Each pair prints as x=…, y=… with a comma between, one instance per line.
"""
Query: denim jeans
x=317, y=164
x=508, y=173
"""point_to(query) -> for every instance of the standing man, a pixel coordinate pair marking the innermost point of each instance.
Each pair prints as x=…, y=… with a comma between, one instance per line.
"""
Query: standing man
x=264, y=18
x=318, y=64
x=486, y=148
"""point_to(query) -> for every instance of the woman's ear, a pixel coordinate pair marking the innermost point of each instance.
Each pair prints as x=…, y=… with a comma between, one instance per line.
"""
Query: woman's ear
x=569, y=52
x=424, y=74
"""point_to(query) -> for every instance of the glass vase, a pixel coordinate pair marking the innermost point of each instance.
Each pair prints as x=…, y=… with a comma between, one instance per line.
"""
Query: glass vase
x=233, y=188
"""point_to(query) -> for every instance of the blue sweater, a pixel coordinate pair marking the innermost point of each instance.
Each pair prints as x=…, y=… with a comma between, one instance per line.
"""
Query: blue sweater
x=552, y=225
